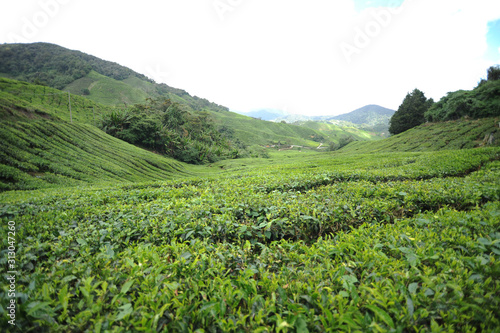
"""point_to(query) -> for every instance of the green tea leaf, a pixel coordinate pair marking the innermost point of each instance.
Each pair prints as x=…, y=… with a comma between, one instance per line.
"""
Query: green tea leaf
x=125, y=311
x=126, y=286
x=410, y=306
x=412, y=288
x=384, y=316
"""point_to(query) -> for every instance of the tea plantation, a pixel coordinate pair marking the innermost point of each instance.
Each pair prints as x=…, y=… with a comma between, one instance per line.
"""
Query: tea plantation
x=386, y=242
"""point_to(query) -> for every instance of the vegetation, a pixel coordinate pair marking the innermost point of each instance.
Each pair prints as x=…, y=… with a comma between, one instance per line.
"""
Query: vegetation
x=168, y=128
x=335, y=133
x=451, y=135
x=378, y=242
x=373, y=118
x=42, y=153
x=483, y=101
x=398, y=235
x=24, y=101
x=410, y=113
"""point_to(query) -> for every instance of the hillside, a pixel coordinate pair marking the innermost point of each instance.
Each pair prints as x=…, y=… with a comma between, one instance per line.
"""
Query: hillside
x=481, y=102
x=22, y=100
x=458, y=134
x=334, y=133
x=42, y=153
x=372, y=117
x=41, y=148
x=107, y=82
x=109, y=85
x=253, y=131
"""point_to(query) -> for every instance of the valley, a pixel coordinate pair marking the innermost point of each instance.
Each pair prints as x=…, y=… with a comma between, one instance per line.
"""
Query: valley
x=260, y=232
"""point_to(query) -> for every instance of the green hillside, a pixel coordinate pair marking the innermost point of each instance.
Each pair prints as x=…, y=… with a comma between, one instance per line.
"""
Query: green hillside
x=260, y=132
x=42, y=153
x=481, y=102
x=21, y=100
x=335, y=132
x=109, y=84
x=108, y=91
x=371, y=117
x=458, y=134
x=41, y=148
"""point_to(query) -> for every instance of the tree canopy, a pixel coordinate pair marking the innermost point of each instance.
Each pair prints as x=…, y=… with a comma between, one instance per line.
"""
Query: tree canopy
x=481, y=102
x=410, y=113
x=169, y=128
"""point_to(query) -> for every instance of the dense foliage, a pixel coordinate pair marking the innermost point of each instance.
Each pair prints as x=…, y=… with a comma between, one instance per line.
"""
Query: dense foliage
x=55, y=66
x=168, y=128
x=410, y=113
x=483, y=101
x=402, y=242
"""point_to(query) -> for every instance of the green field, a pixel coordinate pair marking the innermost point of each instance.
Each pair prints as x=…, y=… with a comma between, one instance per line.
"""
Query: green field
x=305, y=242
x=396, y=235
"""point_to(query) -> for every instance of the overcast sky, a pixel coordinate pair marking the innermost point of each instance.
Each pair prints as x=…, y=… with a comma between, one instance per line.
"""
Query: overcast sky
x=314, y=57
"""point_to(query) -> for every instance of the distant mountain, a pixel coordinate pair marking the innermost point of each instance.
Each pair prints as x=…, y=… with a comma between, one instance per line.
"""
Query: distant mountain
x=372, y=117
x=266, y=114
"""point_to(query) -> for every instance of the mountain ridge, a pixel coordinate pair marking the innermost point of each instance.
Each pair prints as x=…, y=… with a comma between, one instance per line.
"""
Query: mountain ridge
x=125, y=87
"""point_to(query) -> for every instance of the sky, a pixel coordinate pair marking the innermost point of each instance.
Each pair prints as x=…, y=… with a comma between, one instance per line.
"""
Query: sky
x=310, y=57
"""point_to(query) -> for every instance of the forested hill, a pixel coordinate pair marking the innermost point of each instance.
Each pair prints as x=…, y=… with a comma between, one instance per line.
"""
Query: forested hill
x=56, y=66
x=100, y=80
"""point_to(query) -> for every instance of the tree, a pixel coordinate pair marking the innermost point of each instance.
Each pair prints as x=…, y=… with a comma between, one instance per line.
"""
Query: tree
x=410, y=113
x=494, y=73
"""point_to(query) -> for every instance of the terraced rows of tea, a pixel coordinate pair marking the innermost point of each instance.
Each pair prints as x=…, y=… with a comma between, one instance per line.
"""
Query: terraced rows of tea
x=405, y=242
x=41, y=154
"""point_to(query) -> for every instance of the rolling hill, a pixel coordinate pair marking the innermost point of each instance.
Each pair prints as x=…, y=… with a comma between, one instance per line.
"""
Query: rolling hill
x=44, y=146
x=110, y=85
x=371, y=117
x=457, y=134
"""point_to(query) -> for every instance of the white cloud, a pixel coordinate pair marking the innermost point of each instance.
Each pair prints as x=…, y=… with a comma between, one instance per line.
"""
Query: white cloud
x=281, y=53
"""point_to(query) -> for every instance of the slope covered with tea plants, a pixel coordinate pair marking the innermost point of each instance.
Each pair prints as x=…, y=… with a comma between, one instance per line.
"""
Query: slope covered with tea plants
x=449, y=135
x=44, y=145
x=325, y=242
x=40, y=154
